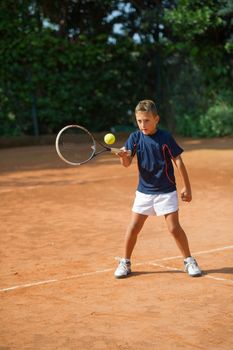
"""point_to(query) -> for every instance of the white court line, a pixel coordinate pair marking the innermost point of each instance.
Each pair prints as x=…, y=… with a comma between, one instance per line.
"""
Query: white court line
x=197, y=253
x=153, y=262
x=27, y=285
x=204, y=275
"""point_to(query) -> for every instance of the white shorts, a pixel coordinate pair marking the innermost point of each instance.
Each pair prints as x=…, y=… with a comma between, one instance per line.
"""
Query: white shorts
x=155, y=204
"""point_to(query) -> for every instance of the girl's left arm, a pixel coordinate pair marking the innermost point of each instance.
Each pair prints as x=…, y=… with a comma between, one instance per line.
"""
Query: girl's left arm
x=186, y=192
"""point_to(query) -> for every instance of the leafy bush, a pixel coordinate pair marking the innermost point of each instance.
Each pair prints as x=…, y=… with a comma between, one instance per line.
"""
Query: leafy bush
x=187, y=126
x=217, y=122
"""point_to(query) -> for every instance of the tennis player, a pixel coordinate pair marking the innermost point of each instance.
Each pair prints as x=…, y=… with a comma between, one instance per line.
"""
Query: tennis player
x=156, y=192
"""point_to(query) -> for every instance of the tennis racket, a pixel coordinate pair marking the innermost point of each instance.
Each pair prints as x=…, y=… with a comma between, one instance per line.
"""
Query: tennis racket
x=75, y=145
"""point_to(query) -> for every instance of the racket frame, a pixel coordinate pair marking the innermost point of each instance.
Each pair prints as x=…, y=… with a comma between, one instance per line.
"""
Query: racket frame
x=94, y=146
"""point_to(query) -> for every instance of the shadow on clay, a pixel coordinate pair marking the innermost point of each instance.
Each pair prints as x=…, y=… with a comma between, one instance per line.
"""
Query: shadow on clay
x=226, y=270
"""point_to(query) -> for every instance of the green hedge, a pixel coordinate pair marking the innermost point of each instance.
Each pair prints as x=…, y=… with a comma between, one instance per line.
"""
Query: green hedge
x=216, y=122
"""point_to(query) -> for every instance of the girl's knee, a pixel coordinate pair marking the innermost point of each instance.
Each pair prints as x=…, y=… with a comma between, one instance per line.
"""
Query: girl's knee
x=175, y=230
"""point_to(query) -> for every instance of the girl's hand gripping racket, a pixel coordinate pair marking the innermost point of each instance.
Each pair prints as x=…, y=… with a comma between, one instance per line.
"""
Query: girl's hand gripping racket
x=75, y=145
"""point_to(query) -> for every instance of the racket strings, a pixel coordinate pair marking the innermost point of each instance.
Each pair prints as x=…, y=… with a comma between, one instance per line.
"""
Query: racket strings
x=76, y=145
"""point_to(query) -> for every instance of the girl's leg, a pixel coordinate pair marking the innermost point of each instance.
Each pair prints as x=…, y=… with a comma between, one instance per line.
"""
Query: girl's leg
x=135, y=226
x=172, y=221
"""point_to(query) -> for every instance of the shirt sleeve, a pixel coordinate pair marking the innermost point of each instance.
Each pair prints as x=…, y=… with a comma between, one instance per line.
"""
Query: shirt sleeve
x=131, y=144
x=175, y=149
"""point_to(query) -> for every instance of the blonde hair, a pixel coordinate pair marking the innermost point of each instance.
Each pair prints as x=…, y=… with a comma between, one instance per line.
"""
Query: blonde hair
x=146, y=106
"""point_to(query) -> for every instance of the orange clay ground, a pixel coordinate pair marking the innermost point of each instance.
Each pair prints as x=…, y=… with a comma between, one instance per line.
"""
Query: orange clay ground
x=61, y=228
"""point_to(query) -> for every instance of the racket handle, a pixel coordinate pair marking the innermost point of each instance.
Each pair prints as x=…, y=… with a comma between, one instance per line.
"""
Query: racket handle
x=117, y=150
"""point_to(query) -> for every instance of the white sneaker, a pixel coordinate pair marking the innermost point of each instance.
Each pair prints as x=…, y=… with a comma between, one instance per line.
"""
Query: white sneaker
x=123, y=269
x=192, y=267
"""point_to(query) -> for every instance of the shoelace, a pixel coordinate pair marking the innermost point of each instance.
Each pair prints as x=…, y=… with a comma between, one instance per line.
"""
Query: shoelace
x=122, y=263
x=192, y=263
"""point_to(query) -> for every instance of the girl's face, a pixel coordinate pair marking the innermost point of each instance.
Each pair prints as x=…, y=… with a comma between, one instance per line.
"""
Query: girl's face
x=147, y=122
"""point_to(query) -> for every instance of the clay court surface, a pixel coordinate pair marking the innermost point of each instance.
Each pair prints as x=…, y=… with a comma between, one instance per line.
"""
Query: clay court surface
x=62, y=226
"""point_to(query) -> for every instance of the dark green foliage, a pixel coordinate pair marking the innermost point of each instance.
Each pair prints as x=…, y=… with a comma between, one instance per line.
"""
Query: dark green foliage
x=217, y=121
x=62, y=62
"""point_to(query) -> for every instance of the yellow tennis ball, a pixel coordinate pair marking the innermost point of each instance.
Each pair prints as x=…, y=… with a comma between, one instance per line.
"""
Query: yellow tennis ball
x=109, y=139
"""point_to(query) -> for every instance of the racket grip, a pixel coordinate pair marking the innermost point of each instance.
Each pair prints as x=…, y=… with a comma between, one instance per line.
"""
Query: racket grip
x=117, y=150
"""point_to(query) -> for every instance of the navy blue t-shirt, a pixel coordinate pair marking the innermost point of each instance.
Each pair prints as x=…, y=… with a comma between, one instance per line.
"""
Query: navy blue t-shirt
x=156, y=172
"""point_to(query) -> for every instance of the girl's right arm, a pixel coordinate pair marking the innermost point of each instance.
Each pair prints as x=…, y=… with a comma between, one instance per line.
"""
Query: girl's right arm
x=186, y=192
